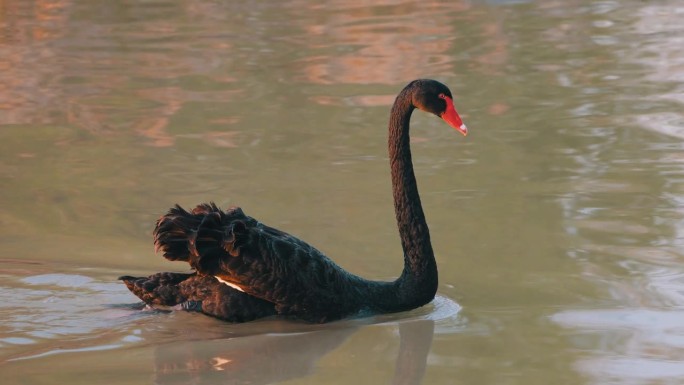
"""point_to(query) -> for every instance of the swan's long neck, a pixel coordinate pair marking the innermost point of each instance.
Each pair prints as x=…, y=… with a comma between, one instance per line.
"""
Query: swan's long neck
x=417, y=284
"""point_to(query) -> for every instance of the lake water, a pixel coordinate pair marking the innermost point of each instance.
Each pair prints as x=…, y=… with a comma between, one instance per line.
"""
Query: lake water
x=558, y=223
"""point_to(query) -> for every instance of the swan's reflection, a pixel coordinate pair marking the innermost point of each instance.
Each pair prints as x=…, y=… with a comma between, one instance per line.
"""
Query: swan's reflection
x=414, y=347
x=272, y=358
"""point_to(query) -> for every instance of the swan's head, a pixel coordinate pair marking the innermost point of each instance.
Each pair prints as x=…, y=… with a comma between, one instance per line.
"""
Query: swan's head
x=434, y=97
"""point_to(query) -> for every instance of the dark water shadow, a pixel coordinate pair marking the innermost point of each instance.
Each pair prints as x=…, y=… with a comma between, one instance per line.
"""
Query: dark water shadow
x=272, y=358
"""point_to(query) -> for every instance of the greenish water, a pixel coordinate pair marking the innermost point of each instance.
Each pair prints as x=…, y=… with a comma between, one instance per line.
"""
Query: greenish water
x=557, y=222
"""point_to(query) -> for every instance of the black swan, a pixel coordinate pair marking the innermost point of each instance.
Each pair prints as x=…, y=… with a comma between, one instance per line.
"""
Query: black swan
x=246, y=270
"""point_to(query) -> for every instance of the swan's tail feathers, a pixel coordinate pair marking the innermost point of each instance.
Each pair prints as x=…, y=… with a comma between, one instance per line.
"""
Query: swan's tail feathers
x=199, y=236
x=158, y=289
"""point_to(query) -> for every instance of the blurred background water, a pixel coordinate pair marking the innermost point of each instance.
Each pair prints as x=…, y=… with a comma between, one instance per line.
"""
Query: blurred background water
x=557, y=222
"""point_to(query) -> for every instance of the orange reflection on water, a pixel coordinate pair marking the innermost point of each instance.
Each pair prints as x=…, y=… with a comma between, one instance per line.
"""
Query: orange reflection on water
x=129, y=69
x=21, y=80
x=387, y=42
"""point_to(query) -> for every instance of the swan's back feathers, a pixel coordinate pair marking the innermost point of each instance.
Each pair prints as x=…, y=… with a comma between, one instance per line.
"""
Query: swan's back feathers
x=264, y=262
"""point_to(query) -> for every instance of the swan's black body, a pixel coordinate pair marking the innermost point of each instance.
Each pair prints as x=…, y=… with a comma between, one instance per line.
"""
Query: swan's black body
x=199, y=293
x=283, y=275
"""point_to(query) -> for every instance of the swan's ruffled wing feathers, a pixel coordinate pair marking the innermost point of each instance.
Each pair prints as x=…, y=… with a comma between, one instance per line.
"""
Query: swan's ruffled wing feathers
x=264, y=262
x=172, y=232
x=180, y=234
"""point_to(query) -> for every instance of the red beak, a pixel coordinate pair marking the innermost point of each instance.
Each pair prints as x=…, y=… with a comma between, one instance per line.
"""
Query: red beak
x=451, y=117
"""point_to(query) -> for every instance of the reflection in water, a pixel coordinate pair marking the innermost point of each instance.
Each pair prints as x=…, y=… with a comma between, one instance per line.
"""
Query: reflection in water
x=414, y=347
x=44, y=55
x=635, y=345
x=57, y=317
x=111, y=110
x=270, y=358
x=633, y=227
x=64, y=307
x=377, y=40
x=661, y=52
x=161, y=68
x=260, y=359
x=24, y=52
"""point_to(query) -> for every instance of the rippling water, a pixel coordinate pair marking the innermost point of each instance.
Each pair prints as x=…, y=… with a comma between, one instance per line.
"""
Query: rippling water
x=557, y=222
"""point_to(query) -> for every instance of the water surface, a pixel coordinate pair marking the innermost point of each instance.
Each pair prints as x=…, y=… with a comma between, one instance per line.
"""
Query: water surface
x=557, y=222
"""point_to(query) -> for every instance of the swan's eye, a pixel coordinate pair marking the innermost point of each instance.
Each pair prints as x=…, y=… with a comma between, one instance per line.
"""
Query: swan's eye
x=442, y=96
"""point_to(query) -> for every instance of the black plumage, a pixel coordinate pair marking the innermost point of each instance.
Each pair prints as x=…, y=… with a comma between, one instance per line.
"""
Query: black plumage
x=199, y=293
x=273, y=272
